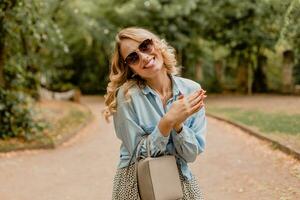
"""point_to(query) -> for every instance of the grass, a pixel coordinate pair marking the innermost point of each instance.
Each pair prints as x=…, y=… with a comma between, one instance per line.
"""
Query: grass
x=265, y=122
x=64, y=128
x=280, y=127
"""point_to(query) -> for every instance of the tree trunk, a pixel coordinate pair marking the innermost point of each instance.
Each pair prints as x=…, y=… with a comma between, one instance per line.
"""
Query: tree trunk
x=249, y=79
x=260, y=78
x=219, y=69
x=2, y=83
x=2, y=36
x=242, y=75
x=287, y=71
x=198, y=71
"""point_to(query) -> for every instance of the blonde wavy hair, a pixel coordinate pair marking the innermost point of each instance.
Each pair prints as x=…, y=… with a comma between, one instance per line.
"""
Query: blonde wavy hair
x=121, y=74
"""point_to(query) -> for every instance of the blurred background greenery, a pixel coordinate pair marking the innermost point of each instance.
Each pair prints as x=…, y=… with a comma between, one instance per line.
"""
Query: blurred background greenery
x=225, y=45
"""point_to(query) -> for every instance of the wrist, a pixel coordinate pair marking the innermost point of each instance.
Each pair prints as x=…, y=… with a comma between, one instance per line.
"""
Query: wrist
x=178, y=127
x=169, y=120
x=165, y=126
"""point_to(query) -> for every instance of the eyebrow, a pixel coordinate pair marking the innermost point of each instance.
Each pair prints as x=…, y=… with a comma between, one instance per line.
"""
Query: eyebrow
x=131, y=52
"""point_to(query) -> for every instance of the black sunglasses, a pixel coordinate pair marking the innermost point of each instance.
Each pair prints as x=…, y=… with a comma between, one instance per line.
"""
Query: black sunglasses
x=145, y=47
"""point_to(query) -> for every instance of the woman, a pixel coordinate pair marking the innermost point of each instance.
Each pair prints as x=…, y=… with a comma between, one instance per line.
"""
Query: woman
x=145, y=97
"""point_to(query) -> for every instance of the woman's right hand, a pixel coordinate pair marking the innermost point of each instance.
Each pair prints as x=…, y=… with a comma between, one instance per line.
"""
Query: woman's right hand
x=184, y=107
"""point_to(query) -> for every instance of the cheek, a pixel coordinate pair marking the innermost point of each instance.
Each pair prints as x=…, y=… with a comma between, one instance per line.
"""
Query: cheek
x=159, y=55
x=159, y=58
x=133, y=69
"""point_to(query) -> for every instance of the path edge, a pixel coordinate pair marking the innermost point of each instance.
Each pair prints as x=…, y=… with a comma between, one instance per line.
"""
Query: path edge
x=257, y=134
x=53, y=143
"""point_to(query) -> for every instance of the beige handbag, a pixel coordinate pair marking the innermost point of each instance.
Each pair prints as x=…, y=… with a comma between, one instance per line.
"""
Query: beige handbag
x=157, y=177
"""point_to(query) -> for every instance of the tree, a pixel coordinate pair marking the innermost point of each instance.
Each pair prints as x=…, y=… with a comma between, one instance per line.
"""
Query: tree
x=245, y=28
x=291, y=33
x=28, y=40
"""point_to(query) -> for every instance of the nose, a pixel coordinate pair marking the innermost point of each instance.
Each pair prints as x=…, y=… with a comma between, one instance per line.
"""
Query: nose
x=144, y=57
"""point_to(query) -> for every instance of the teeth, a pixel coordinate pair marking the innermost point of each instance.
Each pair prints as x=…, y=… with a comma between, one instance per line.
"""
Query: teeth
x=151, y=61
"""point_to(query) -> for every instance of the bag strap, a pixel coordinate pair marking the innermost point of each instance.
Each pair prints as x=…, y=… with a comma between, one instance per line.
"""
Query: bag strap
x=136, y=152
x=148, y=146
x=138, y=147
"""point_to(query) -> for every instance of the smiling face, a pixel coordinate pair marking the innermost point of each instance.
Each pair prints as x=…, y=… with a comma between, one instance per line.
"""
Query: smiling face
x=149, y=64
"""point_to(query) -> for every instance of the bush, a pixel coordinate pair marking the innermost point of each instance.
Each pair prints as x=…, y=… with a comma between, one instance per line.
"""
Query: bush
x=17, y=116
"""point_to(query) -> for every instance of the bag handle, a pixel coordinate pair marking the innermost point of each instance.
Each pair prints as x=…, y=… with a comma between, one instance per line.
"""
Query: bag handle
x=147, y=138
x=136, y=151
x=138, y=147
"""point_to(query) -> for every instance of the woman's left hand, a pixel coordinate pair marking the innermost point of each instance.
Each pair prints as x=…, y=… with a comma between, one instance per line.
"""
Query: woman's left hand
x=178, y=125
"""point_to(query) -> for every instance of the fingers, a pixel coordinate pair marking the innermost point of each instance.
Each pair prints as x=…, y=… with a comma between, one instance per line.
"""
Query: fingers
x=194, y=102
x=197, y=107
x=195, y=94
x=196, y=97
x=184, y=107
x=198, y=103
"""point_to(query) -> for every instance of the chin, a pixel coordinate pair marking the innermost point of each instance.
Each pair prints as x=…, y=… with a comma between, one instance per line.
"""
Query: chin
x=157, y=69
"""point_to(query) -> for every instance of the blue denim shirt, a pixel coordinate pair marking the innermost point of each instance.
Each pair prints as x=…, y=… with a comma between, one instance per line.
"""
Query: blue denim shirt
x=141, y=116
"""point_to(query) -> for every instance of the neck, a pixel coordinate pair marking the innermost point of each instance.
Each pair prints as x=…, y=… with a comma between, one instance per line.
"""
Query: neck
x=161, y=83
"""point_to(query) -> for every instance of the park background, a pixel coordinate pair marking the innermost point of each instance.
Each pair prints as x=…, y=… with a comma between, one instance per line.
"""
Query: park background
x=246, y=54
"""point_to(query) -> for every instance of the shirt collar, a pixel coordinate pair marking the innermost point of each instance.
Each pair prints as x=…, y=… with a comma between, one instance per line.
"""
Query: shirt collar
x=175, y=87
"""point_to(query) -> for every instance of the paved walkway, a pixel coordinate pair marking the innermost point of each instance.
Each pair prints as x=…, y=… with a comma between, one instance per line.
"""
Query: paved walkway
x=234, y=166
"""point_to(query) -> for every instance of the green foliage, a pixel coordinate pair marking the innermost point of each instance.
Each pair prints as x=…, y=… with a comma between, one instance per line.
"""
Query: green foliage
x=76, y=37
x=291, y=33
x=58, y=80
x=243, y=28
x=246, y=29
x=291, y=30
x=17, y=116
x=64, y=44
x=33, y=44
x=24, y=48
x=90, y=48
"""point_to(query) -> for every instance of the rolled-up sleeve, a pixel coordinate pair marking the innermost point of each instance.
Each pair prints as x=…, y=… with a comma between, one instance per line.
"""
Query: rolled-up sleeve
x=127, y=128
x=190, y=142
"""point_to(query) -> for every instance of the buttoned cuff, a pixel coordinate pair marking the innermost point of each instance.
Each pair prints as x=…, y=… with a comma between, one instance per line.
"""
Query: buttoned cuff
x=159, y=140
x=182, y=136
